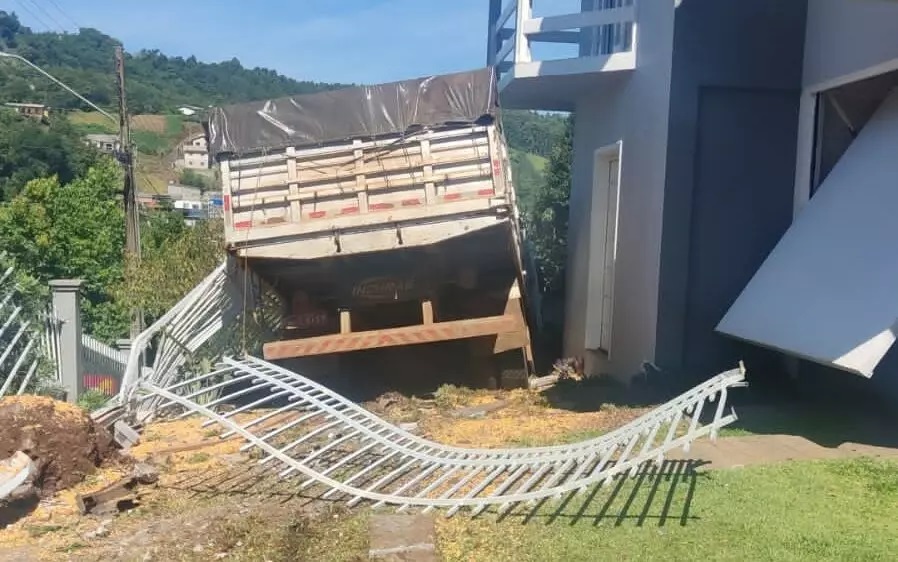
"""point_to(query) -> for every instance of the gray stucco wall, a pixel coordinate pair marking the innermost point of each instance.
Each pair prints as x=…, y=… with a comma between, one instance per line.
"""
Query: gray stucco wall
x=632, y=108
x=848, y=36
x=737, y=70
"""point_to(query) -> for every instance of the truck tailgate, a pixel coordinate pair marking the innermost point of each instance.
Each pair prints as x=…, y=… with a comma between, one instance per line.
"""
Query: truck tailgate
x=366, y=195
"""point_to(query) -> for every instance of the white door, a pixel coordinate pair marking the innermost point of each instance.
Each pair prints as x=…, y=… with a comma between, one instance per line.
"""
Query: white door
x=610, y=251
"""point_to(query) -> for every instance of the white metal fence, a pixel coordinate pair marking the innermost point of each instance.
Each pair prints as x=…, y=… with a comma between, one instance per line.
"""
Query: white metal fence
x=103, y=366
x=29, y=341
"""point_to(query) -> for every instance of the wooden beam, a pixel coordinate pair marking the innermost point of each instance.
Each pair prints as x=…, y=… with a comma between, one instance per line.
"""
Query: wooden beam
x=345, y=322
x=427, y=312
x=392, y=337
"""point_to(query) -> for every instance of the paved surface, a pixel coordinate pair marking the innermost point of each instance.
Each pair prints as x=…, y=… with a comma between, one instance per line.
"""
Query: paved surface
x=401, y=538
x=733, y=452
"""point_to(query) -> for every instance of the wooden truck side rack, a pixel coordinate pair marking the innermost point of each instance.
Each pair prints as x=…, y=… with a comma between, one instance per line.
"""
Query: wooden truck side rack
x=392, y=337
x=509, y=327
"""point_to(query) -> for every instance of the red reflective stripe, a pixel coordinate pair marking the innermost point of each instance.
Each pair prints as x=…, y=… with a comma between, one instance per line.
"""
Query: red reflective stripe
x=226, y=203
x=497, y=168
x=452, y=197
x=317, y=214
x=349, y=210
x=490, y=191
x=410, y=202
x=381, y=206
x=243, y=224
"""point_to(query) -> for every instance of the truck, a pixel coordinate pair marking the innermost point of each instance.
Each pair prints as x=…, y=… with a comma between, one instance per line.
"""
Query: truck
x=385, y=218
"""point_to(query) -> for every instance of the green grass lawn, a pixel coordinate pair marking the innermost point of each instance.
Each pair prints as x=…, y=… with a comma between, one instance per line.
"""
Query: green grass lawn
x=834, y=510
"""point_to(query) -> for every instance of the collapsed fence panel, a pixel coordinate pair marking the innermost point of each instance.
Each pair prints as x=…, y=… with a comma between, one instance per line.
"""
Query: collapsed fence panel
x=306, y=432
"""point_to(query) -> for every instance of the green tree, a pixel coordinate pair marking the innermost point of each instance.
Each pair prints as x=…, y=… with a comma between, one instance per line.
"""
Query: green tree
x=175, y=259
x=527, y=179
x=546, y=217
x=76, y=230
x=529, y=131
x=31, y=150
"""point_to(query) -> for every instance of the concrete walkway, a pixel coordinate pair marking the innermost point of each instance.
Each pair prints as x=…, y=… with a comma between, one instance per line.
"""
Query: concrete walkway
x=401, y=538
x=733, y=452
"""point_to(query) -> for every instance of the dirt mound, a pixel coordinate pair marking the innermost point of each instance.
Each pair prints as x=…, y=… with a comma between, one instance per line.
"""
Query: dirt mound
x=65, y=444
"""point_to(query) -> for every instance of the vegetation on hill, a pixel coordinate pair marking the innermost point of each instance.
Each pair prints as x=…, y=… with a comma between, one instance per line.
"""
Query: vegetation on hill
x=156, y=83
x=30, y=149
x=546, y=214
x=72, y=230
x=532, y=132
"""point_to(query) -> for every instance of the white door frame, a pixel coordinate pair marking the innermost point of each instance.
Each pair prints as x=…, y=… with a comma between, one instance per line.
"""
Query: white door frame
x=604, y=219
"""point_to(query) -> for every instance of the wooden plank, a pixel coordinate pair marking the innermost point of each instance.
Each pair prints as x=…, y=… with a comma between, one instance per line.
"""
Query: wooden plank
x=396, y=159
x=430, y=190
x=409, y=335
x=453, y=211
x=427, y=312
x=345, y=322
x=318, y=179
x=293, y=187
x=361, y=186
x=349, y=186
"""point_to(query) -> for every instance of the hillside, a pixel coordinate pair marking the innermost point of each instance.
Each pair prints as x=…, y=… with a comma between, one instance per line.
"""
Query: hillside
x=158, y=84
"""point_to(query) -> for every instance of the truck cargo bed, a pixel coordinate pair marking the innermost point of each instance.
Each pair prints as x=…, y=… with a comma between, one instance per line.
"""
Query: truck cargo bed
x=383, y=216
x=362, y=196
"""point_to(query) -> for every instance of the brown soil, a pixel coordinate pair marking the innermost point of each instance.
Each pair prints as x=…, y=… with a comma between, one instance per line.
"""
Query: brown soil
x=65, y=444
x=149, y=122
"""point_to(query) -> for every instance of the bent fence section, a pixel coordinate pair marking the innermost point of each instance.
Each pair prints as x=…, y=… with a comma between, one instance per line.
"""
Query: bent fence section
x=306, y=432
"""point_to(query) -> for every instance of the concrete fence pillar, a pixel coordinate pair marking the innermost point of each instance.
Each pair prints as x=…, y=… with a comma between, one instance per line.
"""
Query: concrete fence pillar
x=67, y=306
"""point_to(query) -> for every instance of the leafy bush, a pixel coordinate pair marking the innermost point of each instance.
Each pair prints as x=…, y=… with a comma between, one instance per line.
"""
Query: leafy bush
x=195, y=179
x=92, y=400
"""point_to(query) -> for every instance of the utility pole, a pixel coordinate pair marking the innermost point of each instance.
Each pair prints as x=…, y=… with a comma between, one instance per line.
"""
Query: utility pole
x=132, y=221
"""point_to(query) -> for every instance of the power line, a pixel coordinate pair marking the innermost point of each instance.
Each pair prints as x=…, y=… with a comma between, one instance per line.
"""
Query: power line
x=48, y=14
x=37, y=18
x=64, y=14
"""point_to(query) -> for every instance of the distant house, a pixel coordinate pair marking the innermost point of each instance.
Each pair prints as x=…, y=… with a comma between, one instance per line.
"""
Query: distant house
x=148, y=201
x=103, y=142
x=195, y=153
x=38, y=110
x=188, y=110
x=184, y=192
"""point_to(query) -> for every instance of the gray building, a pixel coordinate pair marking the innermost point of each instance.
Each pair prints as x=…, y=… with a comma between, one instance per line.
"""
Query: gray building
x=103, y=142
x=729, y=174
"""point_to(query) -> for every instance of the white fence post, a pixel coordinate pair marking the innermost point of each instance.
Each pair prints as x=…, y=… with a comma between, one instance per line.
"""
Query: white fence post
x=67, y=307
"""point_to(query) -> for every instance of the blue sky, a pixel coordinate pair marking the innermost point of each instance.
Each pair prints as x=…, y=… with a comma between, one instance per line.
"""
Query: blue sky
x=366, y=41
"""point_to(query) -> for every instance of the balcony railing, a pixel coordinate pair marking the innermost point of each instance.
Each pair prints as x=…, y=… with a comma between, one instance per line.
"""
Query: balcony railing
x=601, y=37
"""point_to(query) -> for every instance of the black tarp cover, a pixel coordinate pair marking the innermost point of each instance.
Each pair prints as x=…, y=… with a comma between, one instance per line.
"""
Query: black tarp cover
x=359, y=112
